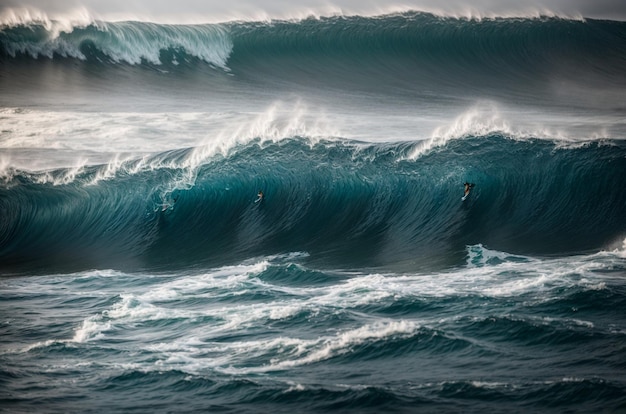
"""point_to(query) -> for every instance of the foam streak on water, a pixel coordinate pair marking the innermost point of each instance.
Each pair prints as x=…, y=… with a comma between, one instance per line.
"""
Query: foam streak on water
x=246, y=331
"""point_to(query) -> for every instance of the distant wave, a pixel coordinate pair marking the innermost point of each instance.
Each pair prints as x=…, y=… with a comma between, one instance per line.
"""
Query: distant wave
x=340, y=202
x=411, y=59
x=424, y=40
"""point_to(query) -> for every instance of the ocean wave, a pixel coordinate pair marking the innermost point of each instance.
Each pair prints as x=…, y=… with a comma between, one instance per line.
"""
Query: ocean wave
x=422, y=40
x=338, y=201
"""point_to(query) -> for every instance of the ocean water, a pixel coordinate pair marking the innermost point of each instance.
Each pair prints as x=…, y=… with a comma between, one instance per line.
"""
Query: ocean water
x=139, y=275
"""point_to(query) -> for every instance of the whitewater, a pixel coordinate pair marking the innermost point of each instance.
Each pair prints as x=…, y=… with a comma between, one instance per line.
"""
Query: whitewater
x=137, y=273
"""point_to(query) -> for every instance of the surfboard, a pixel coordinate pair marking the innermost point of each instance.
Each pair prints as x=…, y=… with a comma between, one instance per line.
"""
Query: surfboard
x=260, y=198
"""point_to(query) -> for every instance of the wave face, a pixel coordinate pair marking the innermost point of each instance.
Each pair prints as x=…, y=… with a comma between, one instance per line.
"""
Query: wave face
x=342, y=202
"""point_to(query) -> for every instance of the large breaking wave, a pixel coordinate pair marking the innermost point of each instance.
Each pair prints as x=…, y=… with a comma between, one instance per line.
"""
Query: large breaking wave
x=342, y=202
x=514, y=45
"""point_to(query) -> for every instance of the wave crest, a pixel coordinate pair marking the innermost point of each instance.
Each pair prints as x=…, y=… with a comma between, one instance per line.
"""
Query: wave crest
x=129, y=42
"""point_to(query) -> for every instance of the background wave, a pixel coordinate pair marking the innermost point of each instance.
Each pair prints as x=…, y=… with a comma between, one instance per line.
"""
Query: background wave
x=343, y=203
x=478, y=48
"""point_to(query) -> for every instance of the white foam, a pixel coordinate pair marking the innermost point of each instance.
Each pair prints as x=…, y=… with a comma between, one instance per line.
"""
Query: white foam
x=294, y=387
x=92, y=328
x=490, y=385
x=194, y=349
x=54, y=23
x=518, y=275
x=485, y=118
x=102, y=132
x=223, y=282
x=278, y=121
x=508, y=276
x=291, y=352
x=131, y=308
x=227, y=278
x=209, y=43
x=40, y=141
x=67, y=176
x=6, y=171
x=110, y=169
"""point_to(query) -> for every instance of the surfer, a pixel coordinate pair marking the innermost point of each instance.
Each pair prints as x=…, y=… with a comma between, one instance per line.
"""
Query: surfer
x=165, y=206
x=467, y=187
x=260, y=195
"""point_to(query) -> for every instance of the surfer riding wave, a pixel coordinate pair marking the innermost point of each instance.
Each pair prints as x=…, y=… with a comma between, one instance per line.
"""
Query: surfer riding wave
x=467, y=187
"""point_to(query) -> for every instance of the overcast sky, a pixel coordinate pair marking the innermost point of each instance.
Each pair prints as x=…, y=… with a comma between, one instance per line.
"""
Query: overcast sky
x=201, y=11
